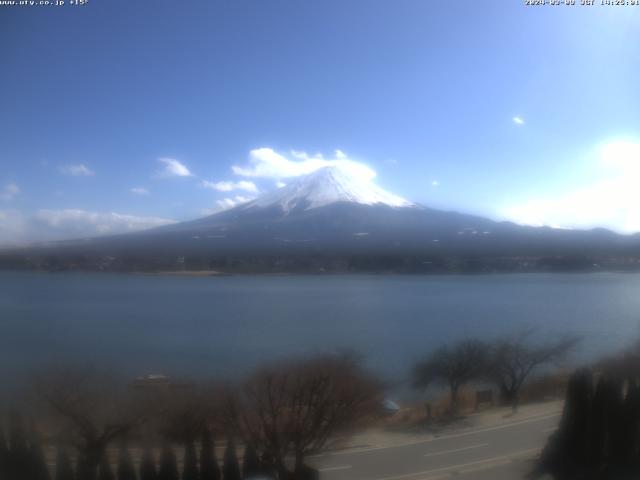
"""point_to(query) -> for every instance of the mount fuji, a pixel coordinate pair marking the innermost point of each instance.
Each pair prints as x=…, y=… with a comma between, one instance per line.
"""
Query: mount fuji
x=333, y=220
x=326, y=186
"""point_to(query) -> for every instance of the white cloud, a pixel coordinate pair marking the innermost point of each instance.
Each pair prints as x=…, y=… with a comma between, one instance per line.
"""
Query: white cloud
x=47, y=225
x=76, y=222
x=280, y=184
x=435, y=183
x=9, y=192
x=12, y=227
x=139, y=191
x=612, y=201
x=227, y=203
x=518, y=120
x=267, y=163
x=77, y=170
x=230, y=186
x=173, y=168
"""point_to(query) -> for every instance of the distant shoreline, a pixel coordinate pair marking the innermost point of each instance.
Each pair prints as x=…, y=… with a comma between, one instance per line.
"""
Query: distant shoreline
x=185, y=273
x=220, y=274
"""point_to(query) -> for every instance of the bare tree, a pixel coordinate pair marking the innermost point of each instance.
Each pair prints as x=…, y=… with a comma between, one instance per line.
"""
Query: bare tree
x=92, y=409
x=299, y=407
x=185, y=414
x=513, y=359
x=453, y=366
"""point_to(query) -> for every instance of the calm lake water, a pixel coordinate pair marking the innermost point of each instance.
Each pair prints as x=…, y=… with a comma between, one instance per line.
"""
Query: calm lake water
x=223, y=326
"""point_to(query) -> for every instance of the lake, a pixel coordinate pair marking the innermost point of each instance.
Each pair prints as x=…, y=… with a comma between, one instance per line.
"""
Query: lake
x=224, y=326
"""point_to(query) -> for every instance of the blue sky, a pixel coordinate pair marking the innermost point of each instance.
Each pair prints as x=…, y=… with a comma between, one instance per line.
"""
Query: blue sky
x=122, y=114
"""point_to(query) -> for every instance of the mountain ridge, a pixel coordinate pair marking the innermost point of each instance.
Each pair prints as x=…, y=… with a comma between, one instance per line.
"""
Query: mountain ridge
x=327, y=219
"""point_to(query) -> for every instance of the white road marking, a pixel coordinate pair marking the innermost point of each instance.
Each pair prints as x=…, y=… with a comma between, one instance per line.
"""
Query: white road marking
x=535, y=418
x=499, y=427
x=331, y=469
x=549, y=430
x=461, y=449
x=461, y=465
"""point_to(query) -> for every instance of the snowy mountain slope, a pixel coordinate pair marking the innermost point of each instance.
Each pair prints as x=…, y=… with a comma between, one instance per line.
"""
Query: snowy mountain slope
x=323, y=187
x=329, y=213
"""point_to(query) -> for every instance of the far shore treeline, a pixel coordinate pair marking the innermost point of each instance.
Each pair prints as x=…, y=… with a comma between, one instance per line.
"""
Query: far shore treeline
x=74, y=259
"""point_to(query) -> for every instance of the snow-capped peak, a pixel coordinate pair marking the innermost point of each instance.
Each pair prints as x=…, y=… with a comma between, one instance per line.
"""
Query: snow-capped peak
x=326, y=186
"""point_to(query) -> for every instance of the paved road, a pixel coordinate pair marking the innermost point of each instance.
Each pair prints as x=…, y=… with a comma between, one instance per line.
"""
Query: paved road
x=502, y=452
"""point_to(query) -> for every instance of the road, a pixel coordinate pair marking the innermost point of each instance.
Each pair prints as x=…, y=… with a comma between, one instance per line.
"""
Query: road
x=502, y=452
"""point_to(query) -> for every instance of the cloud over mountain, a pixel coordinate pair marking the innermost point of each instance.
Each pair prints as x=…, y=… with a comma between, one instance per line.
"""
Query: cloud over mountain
x=610, y=200
x=230, y=186
x=267, y=163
